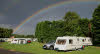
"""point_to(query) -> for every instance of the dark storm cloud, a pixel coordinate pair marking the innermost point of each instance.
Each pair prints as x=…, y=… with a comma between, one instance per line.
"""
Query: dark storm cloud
x=84, y=9
x=13, y=12
x=18, y=10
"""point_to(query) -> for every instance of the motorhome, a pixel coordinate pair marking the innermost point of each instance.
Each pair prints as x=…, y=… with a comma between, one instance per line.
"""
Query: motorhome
x=71, y=43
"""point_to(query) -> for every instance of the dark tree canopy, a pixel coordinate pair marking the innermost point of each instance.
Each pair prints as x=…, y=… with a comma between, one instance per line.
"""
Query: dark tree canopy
x=96, y=24
x=71, y=16
x=5, y=33
x=83, y=23
x=46, y=30
x=71, y=23
x=23, y=36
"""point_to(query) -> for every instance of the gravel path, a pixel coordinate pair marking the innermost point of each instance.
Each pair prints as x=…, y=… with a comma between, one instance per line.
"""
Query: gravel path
x=3, y=51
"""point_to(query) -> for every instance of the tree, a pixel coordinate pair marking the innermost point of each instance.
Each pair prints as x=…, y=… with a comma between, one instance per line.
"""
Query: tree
x=71, y=17
x=83, y=23
x=96, y=24
x=43, y=31
x=5, y=33
x=71, y=23
x=47, y=31
x=57, y=29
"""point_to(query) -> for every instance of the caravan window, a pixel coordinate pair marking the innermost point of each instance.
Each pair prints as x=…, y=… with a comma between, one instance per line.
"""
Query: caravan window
x=78, y=39
x=61, y=42
x=83, y=40
x=70, y=41
x=15, y=40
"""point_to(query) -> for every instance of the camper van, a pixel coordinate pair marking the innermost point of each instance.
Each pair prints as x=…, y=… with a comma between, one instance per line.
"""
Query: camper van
x=71, y=43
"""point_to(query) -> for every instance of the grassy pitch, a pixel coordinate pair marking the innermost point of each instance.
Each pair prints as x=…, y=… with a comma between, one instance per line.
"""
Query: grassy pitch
x=36, y=48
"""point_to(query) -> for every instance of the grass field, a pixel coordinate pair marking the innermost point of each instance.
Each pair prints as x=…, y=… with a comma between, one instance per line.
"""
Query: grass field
x=36, y=48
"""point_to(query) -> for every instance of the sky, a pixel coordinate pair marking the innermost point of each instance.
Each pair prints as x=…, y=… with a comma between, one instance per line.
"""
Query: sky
x=13, y=12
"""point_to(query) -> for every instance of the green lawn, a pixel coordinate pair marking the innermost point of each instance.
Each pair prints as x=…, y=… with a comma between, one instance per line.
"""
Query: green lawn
x=36, y=48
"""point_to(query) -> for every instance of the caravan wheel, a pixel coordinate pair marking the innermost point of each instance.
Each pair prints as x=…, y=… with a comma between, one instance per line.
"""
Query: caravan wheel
x=75, y=48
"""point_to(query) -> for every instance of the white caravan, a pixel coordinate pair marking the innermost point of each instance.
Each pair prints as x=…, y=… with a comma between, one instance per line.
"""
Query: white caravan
x=71, y=43
x=18, y=41
x=86, y=41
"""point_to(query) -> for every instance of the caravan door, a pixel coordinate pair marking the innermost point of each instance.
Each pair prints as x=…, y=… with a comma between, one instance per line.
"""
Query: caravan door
x=72, y=44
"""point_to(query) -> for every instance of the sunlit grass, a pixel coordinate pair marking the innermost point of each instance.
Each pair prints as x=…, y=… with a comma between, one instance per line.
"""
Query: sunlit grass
x=36, y=48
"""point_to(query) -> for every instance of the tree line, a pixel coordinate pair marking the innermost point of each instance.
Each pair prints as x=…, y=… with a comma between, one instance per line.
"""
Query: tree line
x=5, y=32
x=23, y=36
x=71, y=25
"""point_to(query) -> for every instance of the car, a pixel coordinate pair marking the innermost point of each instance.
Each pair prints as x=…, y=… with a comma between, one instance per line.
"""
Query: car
x=49, y=45
x=29, y=41
x=2, y=40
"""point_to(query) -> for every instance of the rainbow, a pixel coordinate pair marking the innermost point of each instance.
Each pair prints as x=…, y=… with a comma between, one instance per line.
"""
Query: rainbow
x=40, y=11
